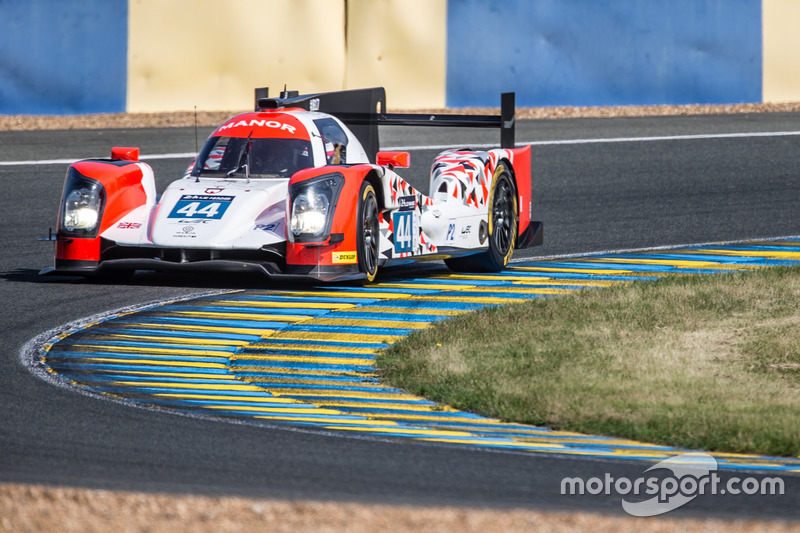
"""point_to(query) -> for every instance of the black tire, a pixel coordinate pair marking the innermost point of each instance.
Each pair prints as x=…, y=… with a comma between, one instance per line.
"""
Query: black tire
x=502, y=231
x=368, y=232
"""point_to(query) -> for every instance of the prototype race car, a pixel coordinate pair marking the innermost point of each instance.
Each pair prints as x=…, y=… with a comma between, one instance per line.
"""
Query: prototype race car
x=299, y=188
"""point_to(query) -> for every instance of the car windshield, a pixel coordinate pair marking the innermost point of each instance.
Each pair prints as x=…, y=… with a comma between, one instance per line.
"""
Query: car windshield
x=266, y=158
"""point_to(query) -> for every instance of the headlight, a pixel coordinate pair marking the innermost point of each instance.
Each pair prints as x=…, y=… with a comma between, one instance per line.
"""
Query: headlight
x=82, y=206
x=312, y=205
x=309, y=212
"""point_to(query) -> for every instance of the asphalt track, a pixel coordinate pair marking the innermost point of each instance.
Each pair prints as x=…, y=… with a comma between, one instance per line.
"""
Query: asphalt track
x=592, y=196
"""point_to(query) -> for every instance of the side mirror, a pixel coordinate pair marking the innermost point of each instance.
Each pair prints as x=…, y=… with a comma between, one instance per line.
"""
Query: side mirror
x=394, y=159
x=124, y=153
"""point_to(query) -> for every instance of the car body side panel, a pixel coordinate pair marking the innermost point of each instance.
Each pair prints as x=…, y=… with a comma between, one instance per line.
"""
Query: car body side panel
x=522, y=168
x=402, y=235
x=127, y=187
x=466, y=176
x=338, y=252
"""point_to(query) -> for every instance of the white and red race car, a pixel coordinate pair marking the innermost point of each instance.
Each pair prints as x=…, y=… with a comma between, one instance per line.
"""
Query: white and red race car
x=299, y=188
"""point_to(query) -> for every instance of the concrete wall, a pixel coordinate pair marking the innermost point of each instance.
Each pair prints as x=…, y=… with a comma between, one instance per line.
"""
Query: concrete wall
x=400, y=45
x=62, y=57
x=604, y=52
x=89, y=56
x=212, y=53
x=781, y=51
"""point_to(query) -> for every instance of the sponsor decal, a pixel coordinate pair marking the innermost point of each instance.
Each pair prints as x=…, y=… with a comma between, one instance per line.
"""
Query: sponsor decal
x=340, y=258
x=268, y=227
x=204, y=197
x=129, y=225
x=407, y=203
x=261, y=123
x=201, y=206
x=186, y=232
x=451, y=230
x=214, y=190
x=466, y=231
x=404, y=231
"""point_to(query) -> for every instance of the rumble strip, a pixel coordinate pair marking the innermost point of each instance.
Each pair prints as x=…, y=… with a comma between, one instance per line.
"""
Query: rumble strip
x=304, y=358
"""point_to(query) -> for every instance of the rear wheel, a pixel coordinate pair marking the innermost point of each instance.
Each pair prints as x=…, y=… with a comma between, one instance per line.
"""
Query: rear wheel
x=368, y=232
x=502, y=232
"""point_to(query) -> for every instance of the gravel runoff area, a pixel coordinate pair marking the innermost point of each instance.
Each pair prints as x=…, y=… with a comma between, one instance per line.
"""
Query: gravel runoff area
x=37, y=508
x=213, y=118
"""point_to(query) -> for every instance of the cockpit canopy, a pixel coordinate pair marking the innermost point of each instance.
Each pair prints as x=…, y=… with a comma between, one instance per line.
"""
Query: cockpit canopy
x=259, y=158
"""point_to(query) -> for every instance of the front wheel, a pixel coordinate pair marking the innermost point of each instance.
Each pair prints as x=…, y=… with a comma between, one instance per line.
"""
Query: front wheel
x=368, y=232
x=503, y=222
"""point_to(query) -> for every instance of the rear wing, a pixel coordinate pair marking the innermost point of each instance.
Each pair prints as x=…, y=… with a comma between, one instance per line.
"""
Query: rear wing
x=363, y=110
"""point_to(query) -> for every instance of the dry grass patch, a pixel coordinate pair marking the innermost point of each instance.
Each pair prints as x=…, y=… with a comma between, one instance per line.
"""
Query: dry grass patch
x=709, y=362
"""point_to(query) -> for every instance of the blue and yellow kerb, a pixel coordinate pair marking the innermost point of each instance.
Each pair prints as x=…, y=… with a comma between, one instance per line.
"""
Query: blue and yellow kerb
x=305, y=358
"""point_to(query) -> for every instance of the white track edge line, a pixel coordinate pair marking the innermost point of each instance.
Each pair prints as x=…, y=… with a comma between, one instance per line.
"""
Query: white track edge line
x=650, y=249
x=186, y=155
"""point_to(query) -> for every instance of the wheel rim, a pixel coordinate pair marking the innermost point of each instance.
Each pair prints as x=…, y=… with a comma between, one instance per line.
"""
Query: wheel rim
x=503, y=216
x=370, y=234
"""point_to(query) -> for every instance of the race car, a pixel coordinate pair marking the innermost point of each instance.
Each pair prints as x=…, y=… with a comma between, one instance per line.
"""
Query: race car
x=298, y=187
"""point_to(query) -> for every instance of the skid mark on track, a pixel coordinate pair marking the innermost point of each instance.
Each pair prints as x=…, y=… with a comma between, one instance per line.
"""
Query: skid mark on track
x=306, y=358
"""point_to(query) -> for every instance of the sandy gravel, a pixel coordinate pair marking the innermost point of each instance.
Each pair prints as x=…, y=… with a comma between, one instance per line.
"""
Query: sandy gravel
x=207, y=118
x=31, y=508
x=37, y=509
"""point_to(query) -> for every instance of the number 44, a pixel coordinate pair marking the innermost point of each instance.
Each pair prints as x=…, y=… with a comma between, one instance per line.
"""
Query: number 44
x=403, y=232
x=193, y=210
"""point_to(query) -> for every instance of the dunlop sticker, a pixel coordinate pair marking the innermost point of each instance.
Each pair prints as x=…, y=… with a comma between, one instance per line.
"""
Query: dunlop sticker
x=340, y=258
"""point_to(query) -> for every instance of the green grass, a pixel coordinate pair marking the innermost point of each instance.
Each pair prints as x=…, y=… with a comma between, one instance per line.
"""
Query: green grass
x=709, y=362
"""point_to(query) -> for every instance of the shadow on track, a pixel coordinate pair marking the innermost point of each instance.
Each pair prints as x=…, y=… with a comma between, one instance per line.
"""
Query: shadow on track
x=195, y=280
